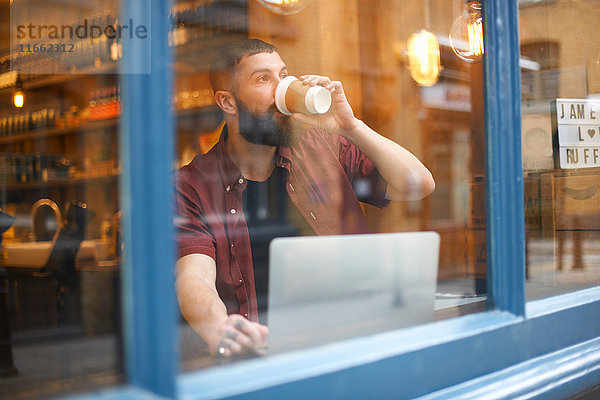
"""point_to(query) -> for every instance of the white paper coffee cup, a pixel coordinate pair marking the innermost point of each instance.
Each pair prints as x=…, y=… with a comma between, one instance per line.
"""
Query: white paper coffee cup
x=293, y=96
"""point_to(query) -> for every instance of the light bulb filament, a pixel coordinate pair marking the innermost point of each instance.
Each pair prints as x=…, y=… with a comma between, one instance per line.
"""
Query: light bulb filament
x=475, y=35
x=466, y=34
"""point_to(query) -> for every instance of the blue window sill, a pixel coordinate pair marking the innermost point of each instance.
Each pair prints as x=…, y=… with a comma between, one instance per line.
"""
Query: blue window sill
x=557, y=375
x=554, y=350
x=410, y=362
x=120, y=393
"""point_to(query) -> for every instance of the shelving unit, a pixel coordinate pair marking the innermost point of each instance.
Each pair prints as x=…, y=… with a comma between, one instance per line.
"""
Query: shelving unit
x=54, y=132
x=197, y=29
x=42, y=80
x=61, y=183
x=92, y=146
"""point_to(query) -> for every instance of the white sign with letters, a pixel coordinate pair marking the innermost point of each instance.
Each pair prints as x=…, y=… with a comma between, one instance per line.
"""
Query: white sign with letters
x=578, y=133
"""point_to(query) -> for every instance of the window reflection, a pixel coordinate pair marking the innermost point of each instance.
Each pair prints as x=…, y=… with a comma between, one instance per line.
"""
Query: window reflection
x=59, y=169
x=363, y=46
x=560, y=61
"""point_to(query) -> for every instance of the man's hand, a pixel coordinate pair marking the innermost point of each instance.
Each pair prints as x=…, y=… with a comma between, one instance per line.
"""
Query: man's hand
x=340, y=117
x=237, y=335
x=207, y=315
x=406, y=176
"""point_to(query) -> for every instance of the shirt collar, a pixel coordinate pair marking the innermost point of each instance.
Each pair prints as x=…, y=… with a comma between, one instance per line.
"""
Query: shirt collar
x=230, y=172
x=285, y=157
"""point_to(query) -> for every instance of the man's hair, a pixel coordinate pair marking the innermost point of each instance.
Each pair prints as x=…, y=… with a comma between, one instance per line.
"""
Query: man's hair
x=225, y=60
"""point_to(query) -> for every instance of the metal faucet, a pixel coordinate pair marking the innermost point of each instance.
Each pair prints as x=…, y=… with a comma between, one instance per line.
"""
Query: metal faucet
x=49, y=203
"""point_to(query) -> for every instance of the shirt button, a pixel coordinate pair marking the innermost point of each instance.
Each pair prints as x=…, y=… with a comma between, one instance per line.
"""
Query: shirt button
x=240, y=181
x=246, y=315
x=241, y=281
x=228, y=189
x=232, y=211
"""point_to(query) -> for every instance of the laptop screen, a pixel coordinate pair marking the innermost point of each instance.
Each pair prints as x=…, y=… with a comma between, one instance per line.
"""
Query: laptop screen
x=328, y=288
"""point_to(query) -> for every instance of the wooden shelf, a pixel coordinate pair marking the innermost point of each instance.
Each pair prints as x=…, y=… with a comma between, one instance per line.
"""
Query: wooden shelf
x=59, y=183
x=194, y=54
x=43, y=80
x=186, y=112
x=53, y=132
x=92, y=125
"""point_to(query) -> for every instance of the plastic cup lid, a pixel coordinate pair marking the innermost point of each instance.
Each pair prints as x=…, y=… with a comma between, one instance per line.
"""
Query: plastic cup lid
x=318, y=100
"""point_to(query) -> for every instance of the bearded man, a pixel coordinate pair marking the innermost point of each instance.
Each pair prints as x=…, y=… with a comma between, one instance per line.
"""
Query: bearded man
x=324, y=165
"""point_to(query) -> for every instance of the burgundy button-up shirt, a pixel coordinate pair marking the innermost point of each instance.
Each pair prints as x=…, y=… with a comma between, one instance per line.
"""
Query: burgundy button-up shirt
x=327, y=177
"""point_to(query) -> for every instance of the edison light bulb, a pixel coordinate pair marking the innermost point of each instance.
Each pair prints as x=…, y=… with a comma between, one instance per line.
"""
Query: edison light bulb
x=19, y=99
x=466, y=35
x=285, y=7
x=423, y=51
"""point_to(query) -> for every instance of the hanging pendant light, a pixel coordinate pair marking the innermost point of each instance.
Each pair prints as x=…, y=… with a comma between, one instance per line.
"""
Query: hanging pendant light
x=466, y=34
x=285, y=7
x=423, y=51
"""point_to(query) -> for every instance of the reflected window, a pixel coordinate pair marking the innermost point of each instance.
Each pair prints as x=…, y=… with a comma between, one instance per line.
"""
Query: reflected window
x=60, y=303
x=560, y=67
x=252, y=176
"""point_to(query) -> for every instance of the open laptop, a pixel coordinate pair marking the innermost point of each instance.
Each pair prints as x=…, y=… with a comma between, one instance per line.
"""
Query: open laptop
x=327, y=288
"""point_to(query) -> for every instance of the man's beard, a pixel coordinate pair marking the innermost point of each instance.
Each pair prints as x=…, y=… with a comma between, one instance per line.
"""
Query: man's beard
x=264, y=128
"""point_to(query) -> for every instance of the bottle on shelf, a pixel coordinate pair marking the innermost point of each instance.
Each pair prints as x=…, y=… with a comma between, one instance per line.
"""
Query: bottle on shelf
x=34, y=167
x=105, y=103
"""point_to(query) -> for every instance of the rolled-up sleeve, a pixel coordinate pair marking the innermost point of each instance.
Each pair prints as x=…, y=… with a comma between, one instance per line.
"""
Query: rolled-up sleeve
x=193, y=234
x=369, y=186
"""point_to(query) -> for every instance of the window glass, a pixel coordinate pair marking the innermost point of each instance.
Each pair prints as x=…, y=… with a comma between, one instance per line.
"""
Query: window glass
x=59, y=208
x=242, y=185
x=560, y=66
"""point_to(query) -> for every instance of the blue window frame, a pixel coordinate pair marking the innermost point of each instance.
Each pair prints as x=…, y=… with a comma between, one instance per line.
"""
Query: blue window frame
x=549, y=348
